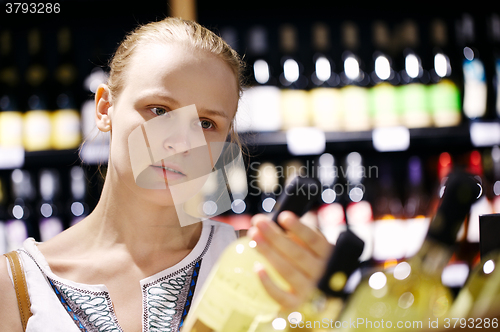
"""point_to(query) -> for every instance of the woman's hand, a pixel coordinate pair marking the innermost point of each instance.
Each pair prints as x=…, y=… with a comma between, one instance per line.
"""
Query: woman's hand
x=300, y=255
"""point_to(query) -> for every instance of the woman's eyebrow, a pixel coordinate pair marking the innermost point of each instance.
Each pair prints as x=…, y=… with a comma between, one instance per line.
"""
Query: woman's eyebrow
x=175, y=104
x=214, y=113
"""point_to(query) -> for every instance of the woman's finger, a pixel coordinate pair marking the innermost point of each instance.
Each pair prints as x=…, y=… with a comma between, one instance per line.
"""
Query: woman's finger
x=297, y=253
x=312, y=238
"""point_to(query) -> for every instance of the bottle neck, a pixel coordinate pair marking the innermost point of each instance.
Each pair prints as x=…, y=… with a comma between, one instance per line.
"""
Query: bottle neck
x=432, y=257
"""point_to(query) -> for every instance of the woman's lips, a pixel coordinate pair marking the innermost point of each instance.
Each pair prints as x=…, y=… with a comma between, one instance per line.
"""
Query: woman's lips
x=169, y=171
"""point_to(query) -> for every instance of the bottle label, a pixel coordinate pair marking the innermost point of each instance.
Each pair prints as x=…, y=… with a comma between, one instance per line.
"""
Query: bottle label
x=11, y=129
x=444, y=102
x=474, y=88
x=414, y=105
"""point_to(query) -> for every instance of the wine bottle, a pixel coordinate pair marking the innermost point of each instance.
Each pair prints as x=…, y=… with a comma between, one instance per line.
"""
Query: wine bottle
x=66, y=132
x=295, y=104
x=354, y=96
x=233, y=298
x=413, y=96
x=416, y=207
x=11, y=121
x=412, y=290
x=77, y=206
x=50, y=223
x=475, y=87
x=383, y=95
x=37, y=124
x=259, y=108
x=444, y=94
x=494, y=33
x=21, y=224
x=327, y=302
x=480, y=294
x=325, y=100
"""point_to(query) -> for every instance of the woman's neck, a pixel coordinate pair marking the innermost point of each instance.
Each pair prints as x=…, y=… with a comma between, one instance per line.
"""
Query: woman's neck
x=144, y=229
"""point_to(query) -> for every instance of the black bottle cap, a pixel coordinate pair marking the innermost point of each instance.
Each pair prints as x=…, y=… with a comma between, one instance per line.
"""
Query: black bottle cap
x=342, y=263
x=298, y=196
x=462, y=189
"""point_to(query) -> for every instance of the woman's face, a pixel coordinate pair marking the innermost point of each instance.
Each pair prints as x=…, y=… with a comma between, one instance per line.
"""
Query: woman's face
x=159, y=80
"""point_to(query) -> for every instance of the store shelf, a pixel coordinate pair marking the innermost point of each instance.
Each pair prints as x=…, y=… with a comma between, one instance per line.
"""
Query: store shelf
x=420, y=138
x=439, y=139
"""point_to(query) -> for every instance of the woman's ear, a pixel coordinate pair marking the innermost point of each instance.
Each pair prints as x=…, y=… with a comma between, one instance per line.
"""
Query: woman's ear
x=103, y=107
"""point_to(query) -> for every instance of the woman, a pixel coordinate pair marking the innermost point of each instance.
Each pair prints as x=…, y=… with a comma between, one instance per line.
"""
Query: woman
x=119, y=268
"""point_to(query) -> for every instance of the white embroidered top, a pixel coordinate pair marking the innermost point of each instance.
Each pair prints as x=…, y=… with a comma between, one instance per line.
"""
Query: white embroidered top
x=62, y=305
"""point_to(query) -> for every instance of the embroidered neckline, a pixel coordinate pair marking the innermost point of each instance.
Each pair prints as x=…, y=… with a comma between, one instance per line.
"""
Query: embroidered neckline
x=91, y=308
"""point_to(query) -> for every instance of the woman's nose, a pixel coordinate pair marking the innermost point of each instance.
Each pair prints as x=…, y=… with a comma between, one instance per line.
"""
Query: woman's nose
x=177, y=143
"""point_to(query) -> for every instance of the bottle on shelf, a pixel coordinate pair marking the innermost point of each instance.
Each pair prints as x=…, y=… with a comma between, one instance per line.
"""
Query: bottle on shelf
x=331, y=215
x=494, y=34
x=233, y=298
x=21, y=224
x=50, y=223
x=413, y=92
x=295, y=103
x=78, y=208
x=475, y=85
x=259, y=107
x=479, y=298
x=444, y=94
x=358, y=210
x=416, y=207
x=354, y=95
x=267, y=182
x=383, y=95
x=66, y=131
x=325, y=101
x=37, y=127
x=11, y=120
x=3, y=215
x=389, y=243
x=412, y=290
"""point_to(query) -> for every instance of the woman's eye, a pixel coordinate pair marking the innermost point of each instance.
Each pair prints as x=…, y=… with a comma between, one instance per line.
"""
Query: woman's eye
x=205, y=124
x=158, y=110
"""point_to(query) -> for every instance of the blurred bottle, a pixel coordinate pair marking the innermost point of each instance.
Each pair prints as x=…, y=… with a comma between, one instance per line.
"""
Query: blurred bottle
x=331, y=214
x=416, y=207
x=22, y=223
x=354, y=96
x=37, y=124
x=78, y=207
x=412, y=290
x=267, y=182
x=389, y=242
x=444, y=94
x=383, y=95
x=3, y=216
x=359, y=213
x=11, y=121
x=480, y=295
x=495, y=178
x=413, y=92
x=295, y=103
x=325, y=101
x=233, y=297
x=475, y=86
x=327, y=302
x=50, y=223
x=494, y=34
x=66, y=131
x=260, y=103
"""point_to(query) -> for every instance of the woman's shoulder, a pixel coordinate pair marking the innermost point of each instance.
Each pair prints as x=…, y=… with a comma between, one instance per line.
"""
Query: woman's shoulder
x=10, y=320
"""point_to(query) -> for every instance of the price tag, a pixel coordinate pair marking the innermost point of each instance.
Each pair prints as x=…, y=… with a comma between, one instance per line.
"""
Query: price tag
x=485, y=133
x=391, y=139
x=11, y=157
x=305, y=141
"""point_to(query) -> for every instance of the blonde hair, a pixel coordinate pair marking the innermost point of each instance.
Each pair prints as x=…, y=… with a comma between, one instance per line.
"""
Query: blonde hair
x=172, y=29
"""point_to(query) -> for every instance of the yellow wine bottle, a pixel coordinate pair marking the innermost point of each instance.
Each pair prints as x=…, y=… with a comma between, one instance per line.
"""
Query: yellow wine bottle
x=411, y=294
x=233, y=298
